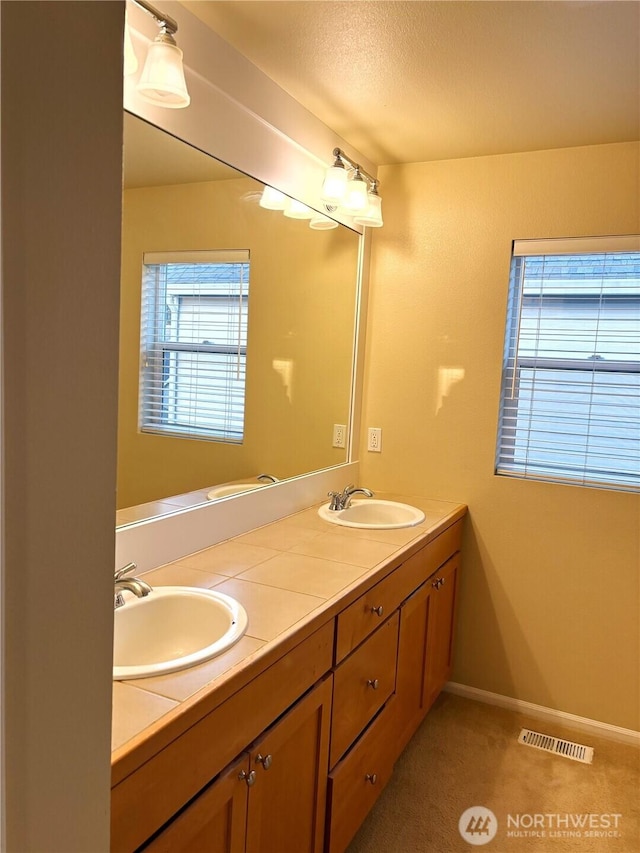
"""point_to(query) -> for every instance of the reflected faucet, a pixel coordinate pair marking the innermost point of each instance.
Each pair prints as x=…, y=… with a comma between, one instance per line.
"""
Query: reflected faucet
x=267, y=478
x=341, y=500
x=137, y=586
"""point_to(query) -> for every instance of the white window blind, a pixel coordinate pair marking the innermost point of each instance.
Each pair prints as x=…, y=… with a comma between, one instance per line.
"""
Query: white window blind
x=194, y=344
x=570, y=398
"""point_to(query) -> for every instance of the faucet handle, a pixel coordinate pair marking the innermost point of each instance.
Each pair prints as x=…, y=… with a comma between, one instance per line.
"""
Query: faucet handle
x=335, y=500
x=119, y=573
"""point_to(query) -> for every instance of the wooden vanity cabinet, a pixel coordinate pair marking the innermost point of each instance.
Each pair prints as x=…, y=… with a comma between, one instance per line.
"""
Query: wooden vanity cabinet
x=286, y=810
x=215, y=821
x=301, y=752
x=425, y=648
x=272, y=799
x=423, y=592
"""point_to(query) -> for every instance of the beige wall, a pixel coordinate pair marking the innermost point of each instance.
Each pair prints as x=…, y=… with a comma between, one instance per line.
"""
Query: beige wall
x=61, y=174
x=301, y=311
x=550, y=604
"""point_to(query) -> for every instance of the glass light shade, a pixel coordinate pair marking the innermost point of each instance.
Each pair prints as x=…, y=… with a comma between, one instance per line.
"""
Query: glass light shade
x=334, y=187
x=372, y=216
x=297, y=210
x=320, y=222
x=357, y=197
x=130, y=58
x=162, y=80
x=273, y=199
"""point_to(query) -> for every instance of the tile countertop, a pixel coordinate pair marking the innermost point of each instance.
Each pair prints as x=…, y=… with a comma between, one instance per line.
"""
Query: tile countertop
x=291, y=577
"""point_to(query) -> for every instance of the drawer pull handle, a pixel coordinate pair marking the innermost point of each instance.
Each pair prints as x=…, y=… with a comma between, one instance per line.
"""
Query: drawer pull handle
x=249, y=778
x=265, y=760
x=373, y=682
x=371, y=777
x=379, y=610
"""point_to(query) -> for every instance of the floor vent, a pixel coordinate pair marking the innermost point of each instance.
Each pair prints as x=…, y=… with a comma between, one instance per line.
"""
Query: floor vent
x=566, y=748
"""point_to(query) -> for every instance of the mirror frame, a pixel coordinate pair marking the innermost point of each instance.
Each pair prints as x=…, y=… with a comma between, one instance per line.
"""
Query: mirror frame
x=284, y=146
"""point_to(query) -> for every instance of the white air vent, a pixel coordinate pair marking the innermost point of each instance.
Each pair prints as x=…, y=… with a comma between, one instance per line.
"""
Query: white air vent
x=566, y=748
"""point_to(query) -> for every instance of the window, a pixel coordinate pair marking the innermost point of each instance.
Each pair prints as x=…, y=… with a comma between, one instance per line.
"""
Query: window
x=570, y=400
x=194, y=344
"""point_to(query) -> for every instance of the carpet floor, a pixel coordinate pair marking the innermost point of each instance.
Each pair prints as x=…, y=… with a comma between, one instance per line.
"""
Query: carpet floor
x=466, y=754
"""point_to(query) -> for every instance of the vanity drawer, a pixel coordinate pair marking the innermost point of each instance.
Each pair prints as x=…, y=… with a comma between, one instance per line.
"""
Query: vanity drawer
x=365, y=614
x=359, y=779
x=362, y=684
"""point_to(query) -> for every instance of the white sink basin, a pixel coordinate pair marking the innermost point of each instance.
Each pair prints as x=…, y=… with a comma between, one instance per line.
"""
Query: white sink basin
x=238, y=488
x=172, y=628
x=374, y=514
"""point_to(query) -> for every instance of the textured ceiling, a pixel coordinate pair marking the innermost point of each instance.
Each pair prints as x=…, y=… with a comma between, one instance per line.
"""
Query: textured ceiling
x=412, y=81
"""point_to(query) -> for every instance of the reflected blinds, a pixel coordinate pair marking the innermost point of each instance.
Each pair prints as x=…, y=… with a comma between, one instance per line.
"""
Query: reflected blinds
x=194, y=344
x=570, y=399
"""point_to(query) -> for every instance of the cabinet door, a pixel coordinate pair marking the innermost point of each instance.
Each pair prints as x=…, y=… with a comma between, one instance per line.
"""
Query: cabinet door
x=288, y=800
x=409, y=706
x=440, y=629
x=425, y=648
x=215, y=822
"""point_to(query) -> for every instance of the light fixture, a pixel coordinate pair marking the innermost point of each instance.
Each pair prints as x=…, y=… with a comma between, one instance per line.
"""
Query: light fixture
x=372, y=216
x=162, y=80
x=334, y=187
x=272, y=199
x=356, y=198
x=352, y=190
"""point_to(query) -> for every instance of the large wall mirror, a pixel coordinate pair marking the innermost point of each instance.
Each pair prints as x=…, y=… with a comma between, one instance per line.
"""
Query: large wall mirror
x=300, y=299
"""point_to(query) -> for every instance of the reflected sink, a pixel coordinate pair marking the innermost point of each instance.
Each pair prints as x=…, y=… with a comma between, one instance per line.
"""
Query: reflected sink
x=374, y=514
x=172, y=628
x=238, y=488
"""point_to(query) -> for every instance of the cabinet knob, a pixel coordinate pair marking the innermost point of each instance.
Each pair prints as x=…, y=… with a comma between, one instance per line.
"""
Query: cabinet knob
x=265, y=760
x=371, y=777
x=379, y=610
x=373, y=682
x=249, y=778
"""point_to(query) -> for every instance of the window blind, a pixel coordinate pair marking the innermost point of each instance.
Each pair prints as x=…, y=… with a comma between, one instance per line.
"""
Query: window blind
x=193, y=344
x=570, y=397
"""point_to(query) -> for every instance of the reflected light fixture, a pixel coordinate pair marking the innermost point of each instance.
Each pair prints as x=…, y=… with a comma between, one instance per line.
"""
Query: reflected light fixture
x=295, y=209
x=272, y=199
x=162, y=79
x=352, y=190
x=320, y=222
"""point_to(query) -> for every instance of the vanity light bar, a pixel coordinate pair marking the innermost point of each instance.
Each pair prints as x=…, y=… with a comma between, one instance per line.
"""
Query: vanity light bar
x=358, y=196
x=160, y=18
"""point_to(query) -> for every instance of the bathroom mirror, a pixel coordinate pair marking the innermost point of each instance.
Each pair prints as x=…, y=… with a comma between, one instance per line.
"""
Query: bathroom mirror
x=301, y=321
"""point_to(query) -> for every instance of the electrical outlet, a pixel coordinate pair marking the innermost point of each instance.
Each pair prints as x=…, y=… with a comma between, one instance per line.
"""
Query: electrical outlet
x=339, y=435
x=374, y=439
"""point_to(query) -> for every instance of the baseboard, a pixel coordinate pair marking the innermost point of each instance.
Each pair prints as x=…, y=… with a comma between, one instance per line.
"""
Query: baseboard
x=548, y=715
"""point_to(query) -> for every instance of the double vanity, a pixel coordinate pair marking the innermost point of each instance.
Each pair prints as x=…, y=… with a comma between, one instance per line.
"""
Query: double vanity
x=284, y=741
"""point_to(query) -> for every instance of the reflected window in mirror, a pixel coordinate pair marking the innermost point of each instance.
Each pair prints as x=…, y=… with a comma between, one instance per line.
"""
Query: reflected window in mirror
x=194, y=344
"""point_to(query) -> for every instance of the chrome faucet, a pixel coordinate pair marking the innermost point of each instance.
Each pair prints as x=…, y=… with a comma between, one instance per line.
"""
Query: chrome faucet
x=341, y=500
x=267, y=478
x=137, y=586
